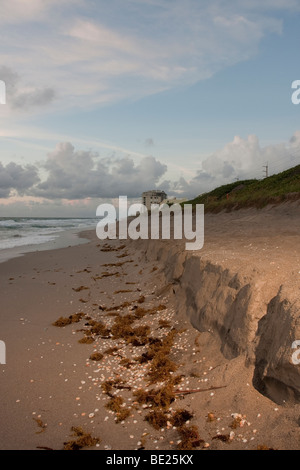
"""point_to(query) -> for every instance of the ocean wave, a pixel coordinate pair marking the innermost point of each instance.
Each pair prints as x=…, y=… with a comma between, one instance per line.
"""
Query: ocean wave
x=16, y=232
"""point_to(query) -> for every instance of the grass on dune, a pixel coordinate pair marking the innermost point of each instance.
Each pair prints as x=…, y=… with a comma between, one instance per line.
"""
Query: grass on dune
x=252, y=193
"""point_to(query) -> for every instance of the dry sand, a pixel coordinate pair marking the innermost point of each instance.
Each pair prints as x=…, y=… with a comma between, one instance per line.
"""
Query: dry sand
x=50, y=384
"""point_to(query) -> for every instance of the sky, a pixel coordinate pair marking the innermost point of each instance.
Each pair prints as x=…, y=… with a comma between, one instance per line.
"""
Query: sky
x=107, y=99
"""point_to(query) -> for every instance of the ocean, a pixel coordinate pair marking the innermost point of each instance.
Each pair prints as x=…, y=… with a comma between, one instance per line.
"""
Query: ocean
x=24, y=231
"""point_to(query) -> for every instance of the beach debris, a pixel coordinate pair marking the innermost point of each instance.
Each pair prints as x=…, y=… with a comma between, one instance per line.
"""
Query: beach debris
x=82, y=440
x=96, y=356
x=86, y=340
x=41, y=425
x=161, y=398
x=63, y=321
x=80, y=288
x=190, y=438
x=223, y=437
x=157, y=418
x=116, y=404
x=264, y=447
x=180, y=417
x=238, y=421
x=211, y=417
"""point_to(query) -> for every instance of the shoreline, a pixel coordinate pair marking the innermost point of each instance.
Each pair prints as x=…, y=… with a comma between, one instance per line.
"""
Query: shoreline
x=63, y=239
x=49, y=383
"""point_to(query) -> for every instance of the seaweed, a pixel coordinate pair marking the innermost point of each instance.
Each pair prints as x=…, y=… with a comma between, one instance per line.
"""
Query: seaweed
x=264, y=447
x=161, y=398
x=116, y=405
x=161, y=418
x=164, y=324
x=96, y=356
x=122, y=328
x=190, y=438
x=161, y=365
x=64, y=321
x=161, y=368
x=86, y=340
x=123, y=291
x=41, y=425
x=125, y=362
x=78, y=289
x=111, y=351
x=109, y=385
x=180, y=417
x=83, y=440
x=222, y=437
x=99, y=329
x=158, y=419
x=118, y=307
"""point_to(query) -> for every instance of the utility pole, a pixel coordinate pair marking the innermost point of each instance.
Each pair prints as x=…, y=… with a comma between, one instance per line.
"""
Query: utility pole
x=266, y=170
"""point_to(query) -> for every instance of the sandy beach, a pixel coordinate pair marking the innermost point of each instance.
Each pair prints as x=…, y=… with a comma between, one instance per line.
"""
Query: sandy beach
x=134, y=367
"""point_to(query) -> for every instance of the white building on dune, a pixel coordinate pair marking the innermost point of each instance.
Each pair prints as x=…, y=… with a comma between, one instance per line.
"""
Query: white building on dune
x=155, y=196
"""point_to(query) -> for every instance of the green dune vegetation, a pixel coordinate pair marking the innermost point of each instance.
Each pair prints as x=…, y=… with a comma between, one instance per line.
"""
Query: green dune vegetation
x=252, y=193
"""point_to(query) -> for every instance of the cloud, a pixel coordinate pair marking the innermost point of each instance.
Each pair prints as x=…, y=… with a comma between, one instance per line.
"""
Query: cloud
x=240, y=159
x=14, y=11
x=75, y=174
x=16, y=177
x=34, y=98
x=22, y=97
x=83, y=175
x=102, y=52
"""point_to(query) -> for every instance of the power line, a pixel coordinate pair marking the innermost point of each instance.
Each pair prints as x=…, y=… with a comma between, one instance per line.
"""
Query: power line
x=266, y=170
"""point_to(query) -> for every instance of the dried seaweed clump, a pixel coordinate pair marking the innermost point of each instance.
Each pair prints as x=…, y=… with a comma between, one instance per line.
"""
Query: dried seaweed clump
x=190, y=438
x=161, y=418
x=264, y=447
x=122, y=328
x=158, y=351
x=160, y=398
x=158, y=419
x=164, y=323
x=180, y=417
x=109, y=385
x=161, y=368
x=86, y=340
x=83, y=440
x=96, y=356
x=99, y=329
x=41, y=425
x=116, y=404
x=64, y=321
x=80, y=288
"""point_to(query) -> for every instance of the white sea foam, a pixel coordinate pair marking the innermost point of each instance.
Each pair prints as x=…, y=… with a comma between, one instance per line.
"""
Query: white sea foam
x=20, y=232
